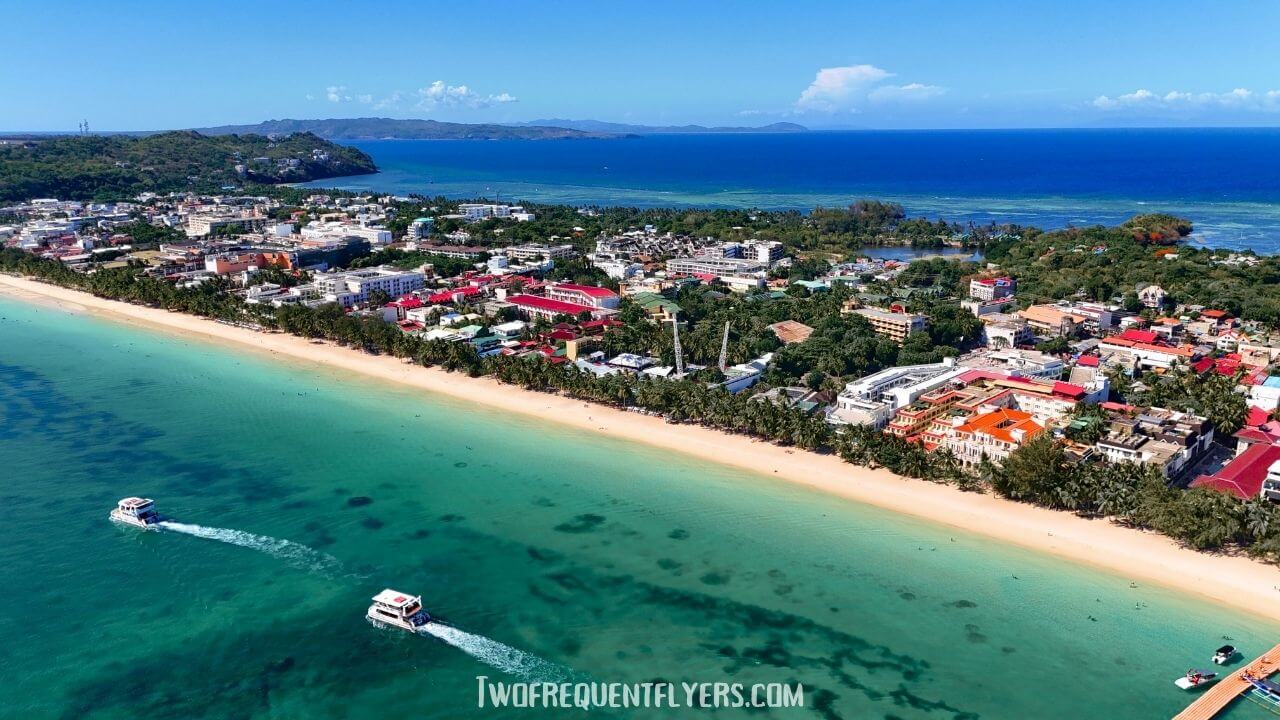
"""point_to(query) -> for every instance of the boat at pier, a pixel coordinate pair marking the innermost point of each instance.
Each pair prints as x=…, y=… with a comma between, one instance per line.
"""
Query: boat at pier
x=1196, y=679
x=1263, y=691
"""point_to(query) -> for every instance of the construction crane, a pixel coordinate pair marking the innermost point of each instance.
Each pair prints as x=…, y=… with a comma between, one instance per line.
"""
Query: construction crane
x=724, y=348
x=675, y=342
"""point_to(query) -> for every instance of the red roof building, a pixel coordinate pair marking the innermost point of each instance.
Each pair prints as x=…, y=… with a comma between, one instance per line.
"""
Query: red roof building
x=597, y=297
x=1257, y=417
x=1138, y=336
x=454, y=295
x=535, y=306
x=1242, y=476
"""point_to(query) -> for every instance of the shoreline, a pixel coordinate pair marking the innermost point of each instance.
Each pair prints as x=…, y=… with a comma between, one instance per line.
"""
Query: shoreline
x=1231, y=580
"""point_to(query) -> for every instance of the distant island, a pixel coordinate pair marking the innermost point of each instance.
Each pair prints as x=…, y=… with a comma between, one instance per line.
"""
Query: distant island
x=88, y=167
x=557, y=129
x=391, y=128
x=610, y=127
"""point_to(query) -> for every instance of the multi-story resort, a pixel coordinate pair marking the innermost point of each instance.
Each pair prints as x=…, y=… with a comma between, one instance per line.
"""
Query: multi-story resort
x=894, y=325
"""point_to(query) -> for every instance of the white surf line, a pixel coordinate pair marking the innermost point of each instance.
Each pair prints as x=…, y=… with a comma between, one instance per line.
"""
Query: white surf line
x=295, y=554
x=501, y=656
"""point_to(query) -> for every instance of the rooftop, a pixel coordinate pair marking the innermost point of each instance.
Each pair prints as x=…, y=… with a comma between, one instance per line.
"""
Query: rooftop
x=543, y=303
x=790, y=331
x=394, y=598
x=1242, y=476
x=592, y=290
x=1001, y=425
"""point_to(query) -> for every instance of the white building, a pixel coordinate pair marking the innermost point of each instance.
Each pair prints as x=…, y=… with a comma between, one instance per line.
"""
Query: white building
x=1026, y=363
x=353, y=286
x=740, y=377
x=717, y=266
x=988, y=289
x=874, y=398
x=535, y=251
x=474, y=212
x=1007, y=331
x=618, y=269
x=318, y=230
x=1151, y=296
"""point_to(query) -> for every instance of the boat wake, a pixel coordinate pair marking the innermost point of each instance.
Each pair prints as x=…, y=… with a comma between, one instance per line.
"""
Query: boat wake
x=296, y=555
x=498, y=655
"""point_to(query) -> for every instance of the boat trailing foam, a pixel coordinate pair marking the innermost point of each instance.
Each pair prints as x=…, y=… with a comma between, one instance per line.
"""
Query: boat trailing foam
x=297, y=555
x=501, y=656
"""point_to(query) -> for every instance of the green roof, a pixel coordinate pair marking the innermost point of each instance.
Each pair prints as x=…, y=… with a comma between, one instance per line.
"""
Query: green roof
x=649, y=301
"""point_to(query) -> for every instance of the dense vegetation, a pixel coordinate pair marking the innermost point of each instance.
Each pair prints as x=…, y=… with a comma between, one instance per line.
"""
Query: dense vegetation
x=1039, y=472
x=114, y=167
x=1099, y=263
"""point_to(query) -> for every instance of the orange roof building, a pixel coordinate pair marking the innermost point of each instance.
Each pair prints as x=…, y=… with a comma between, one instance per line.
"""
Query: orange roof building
x=993, y=435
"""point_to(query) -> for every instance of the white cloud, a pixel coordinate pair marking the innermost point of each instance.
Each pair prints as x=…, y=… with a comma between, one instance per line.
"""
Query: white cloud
x=840, y=88
x=850, y=88
x=911, y=92
x=438, y=94
x=1180, y=101
x=391, y=101
x=441, y=94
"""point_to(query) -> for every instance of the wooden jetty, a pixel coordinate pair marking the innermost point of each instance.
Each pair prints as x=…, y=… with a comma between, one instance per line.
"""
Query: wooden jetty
x=1219, y=695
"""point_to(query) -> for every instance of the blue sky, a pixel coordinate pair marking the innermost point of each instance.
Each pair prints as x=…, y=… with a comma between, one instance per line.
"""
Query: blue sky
x=825, y=63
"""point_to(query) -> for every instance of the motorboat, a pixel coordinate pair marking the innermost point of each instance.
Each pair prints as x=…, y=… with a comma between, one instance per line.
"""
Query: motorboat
x=392, y=608
x=1196, y=679
x=136, y=511
x=1224, y=654
x=1263, y=689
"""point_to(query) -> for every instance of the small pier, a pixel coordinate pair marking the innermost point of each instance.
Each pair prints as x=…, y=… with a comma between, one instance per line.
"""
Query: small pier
x=1218, y=696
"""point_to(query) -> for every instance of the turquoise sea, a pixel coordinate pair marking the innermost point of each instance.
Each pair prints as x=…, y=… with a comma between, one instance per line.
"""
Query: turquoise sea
x=1224, y=179
x=606, y=560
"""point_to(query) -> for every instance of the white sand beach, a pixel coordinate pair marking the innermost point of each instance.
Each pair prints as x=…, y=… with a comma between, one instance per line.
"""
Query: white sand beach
x=1235, y=581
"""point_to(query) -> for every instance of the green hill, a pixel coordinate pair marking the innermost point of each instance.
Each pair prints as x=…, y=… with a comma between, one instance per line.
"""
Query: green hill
x=106, y=167
x=377, y=128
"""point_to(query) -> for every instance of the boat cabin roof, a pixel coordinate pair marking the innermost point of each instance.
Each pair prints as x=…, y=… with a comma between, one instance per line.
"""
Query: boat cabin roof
x=394, y=598
x=135, y=503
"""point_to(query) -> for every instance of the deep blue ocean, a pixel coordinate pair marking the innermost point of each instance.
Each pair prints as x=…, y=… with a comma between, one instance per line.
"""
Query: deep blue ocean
x=1226, y=180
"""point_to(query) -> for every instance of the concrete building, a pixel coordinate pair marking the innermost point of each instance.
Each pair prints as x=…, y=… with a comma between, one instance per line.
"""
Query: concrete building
x=1051, y=321
x=537, y=306
x=873, y=399
x=1167, y=439
x=1026, y=363
x=420, y=228
x=1007, y=332
x=353, y=286
x=988, y=289
x=206, y=224
x=337, y=229
x=464, y=252
x=717, y=266
x=528, y=252
x=1151, y=296
x=588, y=295
x=895, y=326
x=1148, y=355
x=993, y=435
